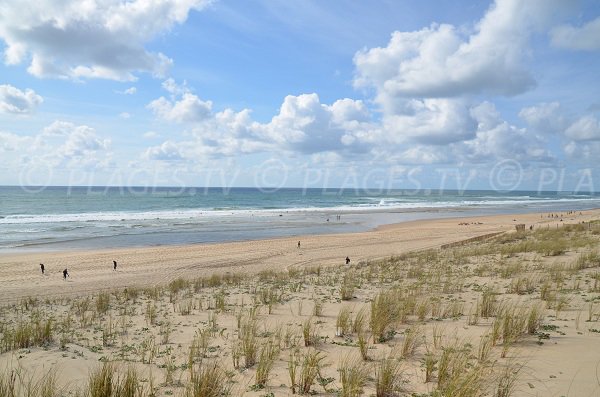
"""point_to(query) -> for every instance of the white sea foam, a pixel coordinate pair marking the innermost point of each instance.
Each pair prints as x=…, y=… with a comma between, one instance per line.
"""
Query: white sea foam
x=391, y=203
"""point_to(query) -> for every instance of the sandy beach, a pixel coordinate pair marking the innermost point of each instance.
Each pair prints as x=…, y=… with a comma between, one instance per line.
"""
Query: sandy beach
x=171, y=310
x=91, y=271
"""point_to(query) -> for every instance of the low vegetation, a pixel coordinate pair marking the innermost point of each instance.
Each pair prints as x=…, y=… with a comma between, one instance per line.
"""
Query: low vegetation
x=389, y=327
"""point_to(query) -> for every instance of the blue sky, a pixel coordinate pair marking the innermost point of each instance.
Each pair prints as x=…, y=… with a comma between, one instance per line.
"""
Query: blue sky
x=381, y=94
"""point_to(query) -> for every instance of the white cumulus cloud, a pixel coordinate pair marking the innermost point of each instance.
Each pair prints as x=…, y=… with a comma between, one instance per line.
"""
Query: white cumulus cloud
x=92, y=38
x=441, y=61
x=496, y=139
x=585, y=37
x=545, y=117
x=15, y=101
x=586, y=128
x=302, y=125
x=168, y=150
x=189, y=108
x=431, y=121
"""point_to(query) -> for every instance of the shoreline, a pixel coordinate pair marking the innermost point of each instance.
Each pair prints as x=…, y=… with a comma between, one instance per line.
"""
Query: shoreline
x=281, y=224
x=91, y=270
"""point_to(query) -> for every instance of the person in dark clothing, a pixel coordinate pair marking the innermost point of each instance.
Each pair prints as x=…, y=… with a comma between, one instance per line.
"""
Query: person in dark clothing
x=65, y=274
x=42, y=267
x=298, y=244
x=347, y=261
x=114, y=266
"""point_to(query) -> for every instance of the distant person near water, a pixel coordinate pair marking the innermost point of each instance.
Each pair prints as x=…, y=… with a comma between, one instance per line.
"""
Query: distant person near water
x=298, y=244
x=42, y=267
x=114, y=266
x=65, y=274
x=347, y=260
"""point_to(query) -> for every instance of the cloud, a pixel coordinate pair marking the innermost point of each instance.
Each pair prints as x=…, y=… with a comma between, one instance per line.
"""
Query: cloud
x=420, y=155
x=584, y=38
x=583, y=152
x=10, y=142
x=67, y=145
x=545, y=118
x=431, y=121
x=496, y=139
x=56, y=36
x=15, y=101
x=307, y=126
x=60, y=145
x=130, y=91
x=441, y=61
x=303, y=125
x=173, y=88
x=124, y=115
x=424, y=80
x=586, y=128
x=166, y=151
x=189, y=108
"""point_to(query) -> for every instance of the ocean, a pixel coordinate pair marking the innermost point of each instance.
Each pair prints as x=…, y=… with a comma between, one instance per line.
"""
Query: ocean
x=67, y=218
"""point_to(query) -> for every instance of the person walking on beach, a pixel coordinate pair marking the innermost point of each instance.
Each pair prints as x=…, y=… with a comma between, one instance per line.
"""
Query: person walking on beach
x=65, y=274
x=114, y=266
x=298, y=244
x=347, y=260
x=42, y=268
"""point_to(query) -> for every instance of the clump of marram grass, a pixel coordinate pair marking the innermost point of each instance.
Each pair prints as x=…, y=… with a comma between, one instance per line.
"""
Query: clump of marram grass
x=353, y=376
x=178, y=284
x=343, y=322
x=413, y=338
x=588, y=260
x=151, y=313
x=102, y=302
x=248, y=341
x=360, y=320
x=15, y=382
x=507, y=379
x=317, y=307
x=363, y=344
x=108, y=381
x=310, y=333
x=488, y=304
x=185, y=307
x=384, y=315
x=208, y=380
x=266, y=359
x=310, y=370
x=347, y=288
x=522, y=285
x=388, y=377
x=535, y=317
x=293, y=363
x=458, y=376
x=36, y=330
x=485, y=347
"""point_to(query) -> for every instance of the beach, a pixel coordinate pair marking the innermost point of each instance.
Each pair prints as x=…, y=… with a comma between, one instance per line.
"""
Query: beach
x=168, y=311
x=91, y=271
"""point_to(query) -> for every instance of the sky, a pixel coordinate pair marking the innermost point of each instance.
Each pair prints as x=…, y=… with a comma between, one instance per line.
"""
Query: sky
x=382, y=94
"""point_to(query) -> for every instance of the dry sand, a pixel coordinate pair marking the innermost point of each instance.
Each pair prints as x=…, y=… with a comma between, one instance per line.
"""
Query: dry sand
x=566, y=364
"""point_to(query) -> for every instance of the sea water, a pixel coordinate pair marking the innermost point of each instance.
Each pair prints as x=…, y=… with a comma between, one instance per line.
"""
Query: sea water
x=60, y=218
